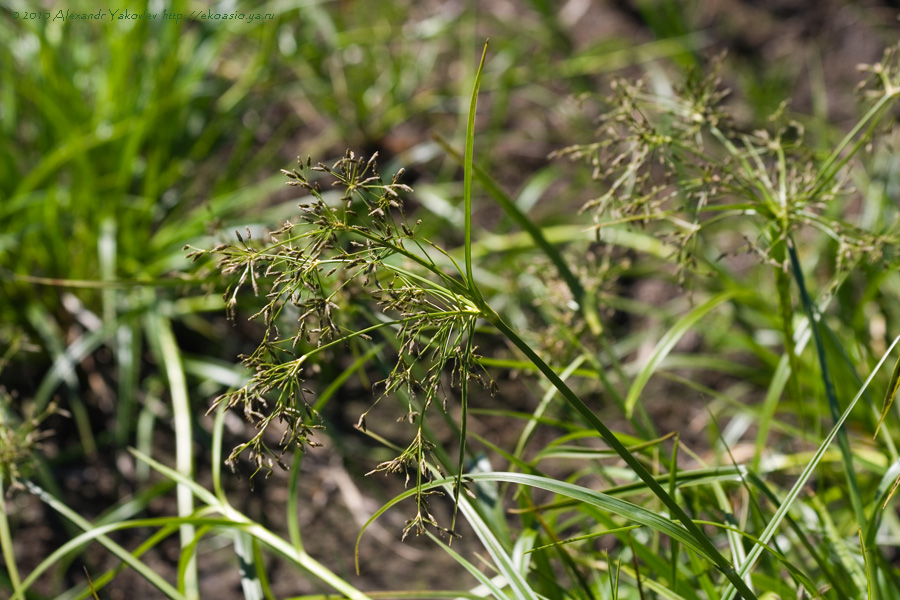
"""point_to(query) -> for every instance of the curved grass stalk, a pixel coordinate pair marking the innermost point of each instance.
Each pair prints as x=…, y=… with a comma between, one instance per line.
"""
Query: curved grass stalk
x=170, y=356
x=91, y=532
x=668, y=342
x=828, y=382
x=599, y=500
x=542, y=407
x=488, y=583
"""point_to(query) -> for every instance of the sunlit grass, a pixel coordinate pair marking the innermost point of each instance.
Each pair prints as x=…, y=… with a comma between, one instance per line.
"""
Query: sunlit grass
x=770, y=342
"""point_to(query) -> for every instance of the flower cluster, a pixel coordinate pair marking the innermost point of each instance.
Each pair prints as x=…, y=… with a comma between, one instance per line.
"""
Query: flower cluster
x=351, y=269
x=677, y=159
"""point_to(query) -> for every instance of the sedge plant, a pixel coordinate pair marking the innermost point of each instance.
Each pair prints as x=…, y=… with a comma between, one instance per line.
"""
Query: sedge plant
x=354, y=268
x=354, y=272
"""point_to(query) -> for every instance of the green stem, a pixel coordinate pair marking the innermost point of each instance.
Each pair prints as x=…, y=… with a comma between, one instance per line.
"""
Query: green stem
x=430, y=266
x=464, y=416
x=293, y=504
x=6, y=540
x=467, y=175
x=623, y=452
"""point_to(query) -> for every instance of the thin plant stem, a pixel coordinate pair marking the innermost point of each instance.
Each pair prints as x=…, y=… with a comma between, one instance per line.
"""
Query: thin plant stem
x=467, y=181
x=6, y=540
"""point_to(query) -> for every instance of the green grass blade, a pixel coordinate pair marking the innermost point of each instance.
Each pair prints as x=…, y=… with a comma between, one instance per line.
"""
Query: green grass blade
x=169, y=355
x=137, y=504
x=842, y=548
x=504, y=563
x=843, y=441
x=6, y=544
x=128, y=340
x=463, y=419
x=187, y=560
x=623, y=508
x=822, y=562
x=218, y=432
x=483, y=579
x=65, y=358
x=283, y=547
x=467, y=175
x=802, y=335
x=782, y=283
x=542, y=407
x=587, y=536
x=519, y=241
x=293, y=504
x=798, y=575
x=599, y=500
x=838, y=158
x=404, y=595
x=250, y=582
x=668, y=341
x=261, y=570
x=882, y=497
x=865, y=555
x=198, y=490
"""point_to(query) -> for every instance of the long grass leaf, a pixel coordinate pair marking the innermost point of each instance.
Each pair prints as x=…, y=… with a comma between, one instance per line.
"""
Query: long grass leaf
x=542, y=407
x=668, y=341
x=843, y=442
x=467, y=173
x=599, y=500
x=504, y=563
x=483, y=579
x=6, y=545
x=169, y=355
x=283, y=547
x=250, y=582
